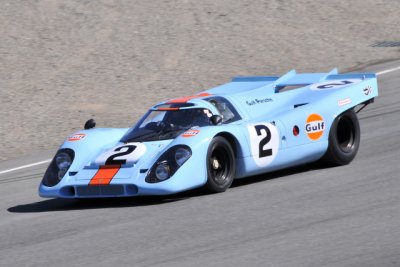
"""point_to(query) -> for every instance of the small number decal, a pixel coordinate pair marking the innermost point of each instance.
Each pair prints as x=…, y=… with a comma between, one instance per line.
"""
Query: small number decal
x=262, y=151
x=334, y=84
x=112, y=159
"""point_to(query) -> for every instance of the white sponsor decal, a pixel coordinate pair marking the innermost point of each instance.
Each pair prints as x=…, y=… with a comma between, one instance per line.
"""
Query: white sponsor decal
x=190, y=133
x=76, y=137
x=343, y=102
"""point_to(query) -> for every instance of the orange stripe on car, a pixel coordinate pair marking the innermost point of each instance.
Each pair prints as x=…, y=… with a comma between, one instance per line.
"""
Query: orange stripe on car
x=187, y=98
x=167, y=109
x=104, y=175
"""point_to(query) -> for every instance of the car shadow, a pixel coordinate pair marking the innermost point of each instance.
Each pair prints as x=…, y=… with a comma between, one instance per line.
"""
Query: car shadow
x=275, y=174
x=49, y=205
x=63, y=204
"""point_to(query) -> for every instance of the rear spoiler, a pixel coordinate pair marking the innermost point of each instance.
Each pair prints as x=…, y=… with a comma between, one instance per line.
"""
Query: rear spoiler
x=361, y=76
x=292, y=78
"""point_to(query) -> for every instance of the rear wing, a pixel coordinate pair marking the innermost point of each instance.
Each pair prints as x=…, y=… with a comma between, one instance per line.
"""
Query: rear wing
x=269, y=85
x=292, y=78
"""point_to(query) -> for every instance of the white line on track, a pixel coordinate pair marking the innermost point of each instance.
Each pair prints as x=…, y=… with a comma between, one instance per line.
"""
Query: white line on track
x=387, y=71
x=26, y=166
x=48, y=160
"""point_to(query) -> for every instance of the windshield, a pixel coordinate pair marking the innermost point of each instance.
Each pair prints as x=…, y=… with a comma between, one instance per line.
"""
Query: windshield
x=167, y=124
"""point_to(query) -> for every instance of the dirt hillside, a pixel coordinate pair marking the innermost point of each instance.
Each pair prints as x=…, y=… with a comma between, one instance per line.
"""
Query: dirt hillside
x=62, y=62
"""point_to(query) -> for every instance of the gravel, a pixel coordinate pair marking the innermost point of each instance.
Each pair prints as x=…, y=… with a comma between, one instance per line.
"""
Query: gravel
x=63, y=62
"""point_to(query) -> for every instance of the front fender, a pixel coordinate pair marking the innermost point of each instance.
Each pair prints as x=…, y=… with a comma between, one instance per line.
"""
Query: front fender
x=88, y=143
x=194, y=172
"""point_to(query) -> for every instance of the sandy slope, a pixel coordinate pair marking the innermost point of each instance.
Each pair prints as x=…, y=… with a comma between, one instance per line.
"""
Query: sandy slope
x=62, y=62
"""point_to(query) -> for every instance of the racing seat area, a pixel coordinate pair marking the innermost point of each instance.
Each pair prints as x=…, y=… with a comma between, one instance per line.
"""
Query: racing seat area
x=187, y=118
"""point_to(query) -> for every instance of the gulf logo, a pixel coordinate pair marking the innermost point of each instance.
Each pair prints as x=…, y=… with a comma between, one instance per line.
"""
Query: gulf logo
x=190, y=133
x=76, y=137
x=315, y=126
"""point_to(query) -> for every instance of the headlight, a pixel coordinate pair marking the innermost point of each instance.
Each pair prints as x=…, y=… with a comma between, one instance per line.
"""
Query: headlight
x=63, y=161
x=182, y=155
x=162, y=171
x=168, y=163
x=58, y=167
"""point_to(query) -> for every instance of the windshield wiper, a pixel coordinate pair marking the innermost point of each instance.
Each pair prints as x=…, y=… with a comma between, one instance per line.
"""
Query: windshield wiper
x=142, y=137
x=171, y=132
x=160, y=134
x=229, y=120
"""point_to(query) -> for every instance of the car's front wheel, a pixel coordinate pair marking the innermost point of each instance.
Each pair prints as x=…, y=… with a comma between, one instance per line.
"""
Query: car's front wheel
x=221, y=165
x=344, y=140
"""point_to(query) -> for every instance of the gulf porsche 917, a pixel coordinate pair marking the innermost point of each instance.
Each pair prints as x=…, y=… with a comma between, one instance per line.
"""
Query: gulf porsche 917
x=249, y=126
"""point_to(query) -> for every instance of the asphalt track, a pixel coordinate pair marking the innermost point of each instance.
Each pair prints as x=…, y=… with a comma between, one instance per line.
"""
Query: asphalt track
x=345, y=216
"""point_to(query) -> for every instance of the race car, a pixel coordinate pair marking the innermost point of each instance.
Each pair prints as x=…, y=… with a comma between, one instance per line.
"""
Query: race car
x=249, y=126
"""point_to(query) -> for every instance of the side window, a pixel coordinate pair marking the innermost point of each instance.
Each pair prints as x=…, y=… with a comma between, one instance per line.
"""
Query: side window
x=225, y=108
x=153, y=117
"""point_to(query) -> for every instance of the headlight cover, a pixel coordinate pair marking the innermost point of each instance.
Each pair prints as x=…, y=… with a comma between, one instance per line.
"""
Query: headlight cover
x=168, y=163
x=182, y=155
x=162, y=171
x=58, y=167
x=63, y=161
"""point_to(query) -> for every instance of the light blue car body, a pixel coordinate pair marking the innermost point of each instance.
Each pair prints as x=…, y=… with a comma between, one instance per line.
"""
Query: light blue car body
x=288, y=114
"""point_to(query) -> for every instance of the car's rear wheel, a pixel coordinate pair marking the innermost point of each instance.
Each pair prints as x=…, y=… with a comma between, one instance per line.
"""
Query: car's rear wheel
x=344, y=140
x=221, y=165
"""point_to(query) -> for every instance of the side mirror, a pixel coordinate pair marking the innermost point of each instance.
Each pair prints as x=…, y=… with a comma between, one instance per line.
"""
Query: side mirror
x=90, y=124
x=216, y=119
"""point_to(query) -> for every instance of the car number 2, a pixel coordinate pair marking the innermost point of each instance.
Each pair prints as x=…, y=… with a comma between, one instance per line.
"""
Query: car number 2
x=264, y=142
x=123, y=154
x=115, y=160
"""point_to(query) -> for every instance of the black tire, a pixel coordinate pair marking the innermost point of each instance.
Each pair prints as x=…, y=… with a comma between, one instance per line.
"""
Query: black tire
x=344, y=140
x=221, y=165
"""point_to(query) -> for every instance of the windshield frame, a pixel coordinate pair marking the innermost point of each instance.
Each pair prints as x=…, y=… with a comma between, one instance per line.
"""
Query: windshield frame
x=164, y=129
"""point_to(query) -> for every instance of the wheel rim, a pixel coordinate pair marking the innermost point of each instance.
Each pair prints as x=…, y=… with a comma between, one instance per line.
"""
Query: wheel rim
x=346, y=134
x=219, y=165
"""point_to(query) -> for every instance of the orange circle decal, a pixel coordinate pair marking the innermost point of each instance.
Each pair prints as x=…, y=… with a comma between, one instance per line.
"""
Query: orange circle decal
x=315, y=126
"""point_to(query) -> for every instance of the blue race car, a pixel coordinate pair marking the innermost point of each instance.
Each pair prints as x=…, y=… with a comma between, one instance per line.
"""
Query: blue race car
x=249, y=126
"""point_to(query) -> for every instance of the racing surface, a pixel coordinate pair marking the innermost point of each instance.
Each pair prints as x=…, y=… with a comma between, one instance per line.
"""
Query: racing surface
x=304, y=216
